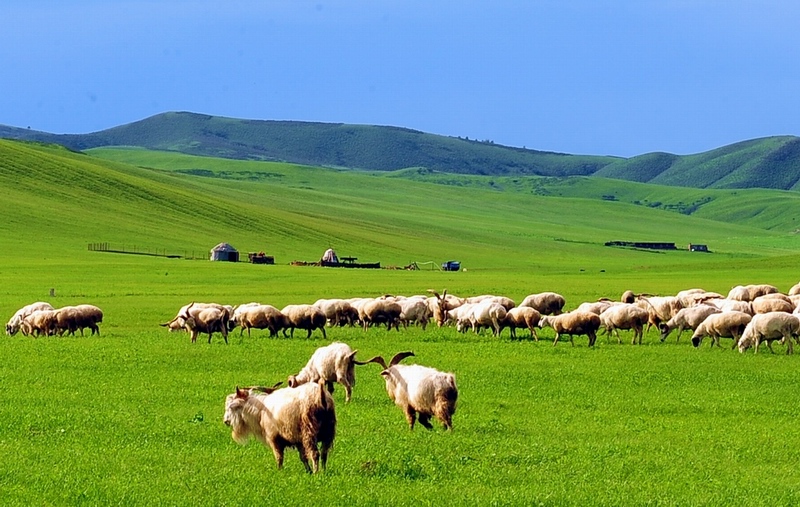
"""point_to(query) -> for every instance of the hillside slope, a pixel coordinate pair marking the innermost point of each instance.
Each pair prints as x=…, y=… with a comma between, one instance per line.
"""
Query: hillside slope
x=772, y=162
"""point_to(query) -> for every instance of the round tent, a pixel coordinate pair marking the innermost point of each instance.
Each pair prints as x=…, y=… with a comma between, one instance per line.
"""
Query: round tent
x=224, y=252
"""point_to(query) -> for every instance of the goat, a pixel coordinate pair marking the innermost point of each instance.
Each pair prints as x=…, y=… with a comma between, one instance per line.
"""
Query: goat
x=333, y=363
x=420, y=390
x=302, y=417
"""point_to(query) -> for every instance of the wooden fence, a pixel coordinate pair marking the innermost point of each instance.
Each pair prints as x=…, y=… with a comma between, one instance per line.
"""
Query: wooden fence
x=154, y=252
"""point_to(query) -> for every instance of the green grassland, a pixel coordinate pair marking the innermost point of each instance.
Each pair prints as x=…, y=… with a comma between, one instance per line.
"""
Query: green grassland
x=134, y=416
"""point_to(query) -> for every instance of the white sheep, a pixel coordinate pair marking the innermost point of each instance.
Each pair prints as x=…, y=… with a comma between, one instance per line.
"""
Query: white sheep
x=39, y=322
x=686, y=318
x=750, y=292
x=74, y=318
x=487, y=313
x=306, y=317
x=625, y=316
x=415, y=309
x=420, y=390
x=259, y=317
x=597, y=307
x=660, y=308
x=332, y=363
x=769, y=327
x=522, y=317
x=380, y=311
x=302, y=417
x=772, y=303
x=15, y=322
x=573, y=323
x=721, y=325
x=546, y=303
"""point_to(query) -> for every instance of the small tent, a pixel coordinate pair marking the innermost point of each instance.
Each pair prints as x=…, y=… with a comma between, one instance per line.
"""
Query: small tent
x=224, y=252
x=329, y=256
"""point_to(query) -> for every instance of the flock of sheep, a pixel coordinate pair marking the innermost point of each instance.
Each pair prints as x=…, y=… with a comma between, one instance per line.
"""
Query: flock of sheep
x=302, y=415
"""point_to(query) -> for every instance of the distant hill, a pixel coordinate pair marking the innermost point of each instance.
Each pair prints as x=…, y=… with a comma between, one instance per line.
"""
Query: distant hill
x=772, y=162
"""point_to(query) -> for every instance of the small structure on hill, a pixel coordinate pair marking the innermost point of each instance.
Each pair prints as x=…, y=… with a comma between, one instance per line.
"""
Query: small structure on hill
x=451, y=266
x=260, y=258
x=329, y=256
x=224, y=252
x=643, y=244
x=693, y=247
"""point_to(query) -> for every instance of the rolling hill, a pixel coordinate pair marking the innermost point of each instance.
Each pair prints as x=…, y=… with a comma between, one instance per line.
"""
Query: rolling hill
x=772, y=162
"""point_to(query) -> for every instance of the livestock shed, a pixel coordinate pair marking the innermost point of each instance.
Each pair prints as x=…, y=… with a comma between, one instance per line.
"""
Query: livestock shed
x=224, y=252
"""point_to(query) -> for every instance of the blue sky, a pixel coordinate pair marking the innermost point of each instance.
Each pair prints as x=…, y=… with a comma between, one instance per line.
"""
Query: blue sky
x=596, y=77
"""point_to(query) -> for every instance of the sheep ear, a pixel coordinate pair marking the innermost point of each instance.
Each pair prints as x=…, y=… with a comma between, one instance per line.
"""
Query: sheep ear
x=385, y=373
x=242, y=393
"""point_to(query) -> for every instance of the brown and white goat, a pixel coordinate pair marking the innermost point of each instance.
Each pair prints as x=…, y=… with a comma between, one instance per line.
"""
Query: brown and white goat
x=302, y=417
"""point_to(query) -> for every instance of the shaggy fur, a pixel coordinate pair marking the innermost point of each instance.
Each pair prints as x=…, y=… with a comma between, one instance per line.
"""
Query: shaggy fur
x=333, y=363
x=302, y=417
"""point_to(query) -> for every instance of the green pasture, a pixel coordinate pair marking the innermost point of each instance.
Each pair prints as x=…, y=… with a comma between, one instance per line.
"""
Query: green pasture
x=134, y=416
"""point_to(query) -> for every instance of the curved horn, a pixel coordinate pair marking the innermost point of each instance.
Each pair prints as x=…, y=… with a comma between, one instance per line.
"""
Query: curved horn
x=377, y=359
x=263, y=389
x=186, y=313
x=399, y=357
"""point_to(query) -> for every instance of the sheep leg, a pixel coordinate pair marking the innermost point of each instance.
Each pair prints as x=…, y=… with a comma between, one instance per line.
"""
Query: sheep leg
x=277, y=451
x=555, y=340
x=348, y=391
x=425, y=420
x=411, y=416
x=592, y=338
x=310, y=453
x=324, y=334
x=330, y=386
x=534, y=334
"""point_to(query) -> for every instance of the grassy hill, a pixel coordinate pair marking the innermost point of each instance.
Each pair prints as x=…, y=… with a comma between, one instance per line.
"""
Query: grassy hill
x=134, y=415
x=772, y=162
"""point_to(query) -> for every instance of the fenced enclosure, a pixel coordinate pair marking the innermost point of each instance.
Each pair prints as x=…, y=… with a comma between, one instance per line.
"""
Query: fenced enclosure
x=154, y=252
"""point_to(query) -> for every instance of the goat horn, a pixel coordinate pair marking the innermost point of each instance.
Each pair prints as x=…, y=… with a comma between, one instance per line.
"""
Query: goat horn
x=399, y=357
x=377, y=359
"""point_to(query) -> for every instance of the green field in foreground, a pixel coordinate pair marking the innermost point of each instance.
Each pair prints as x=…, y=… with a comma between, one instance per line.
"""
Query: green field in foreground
x=134, y=416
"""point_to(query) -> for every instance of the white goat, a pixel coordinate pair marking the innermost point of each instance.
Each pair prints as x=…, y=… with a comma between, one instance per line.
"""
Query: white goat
x=420, y=390
x=303, y=417
x=332, y=363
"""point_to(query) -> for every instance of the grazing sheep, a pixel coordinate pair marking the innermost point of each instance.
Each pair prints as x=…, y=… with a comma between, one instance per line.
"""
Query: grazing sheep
x=731, y=305
x=750, y=292
x=660, y=308
x=769, y=303
x=415, y=310
x=628, y=297
x=15, y=322
x=302, y=417
x=768, y=327
x=573, y=323
x=333, y=363
x=625, y=316
x=259, y=317
x=686, y=318
x=339, y=312
x=597, y=307
x=74, y=318
x=546, y=303
x=420, y=390
x=380, y=311
x=306, y=317
x=484, y=314
x=522, y=317
x=721, y=325
x=39, y=322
